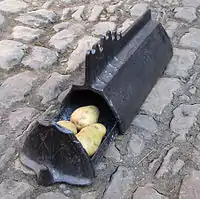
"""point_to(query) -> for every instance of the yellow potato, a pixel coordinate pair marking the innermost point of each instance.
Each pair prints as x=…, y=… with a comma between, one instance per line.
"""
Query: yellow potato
x=85, y=116
x=68, y=125
x=91, y=136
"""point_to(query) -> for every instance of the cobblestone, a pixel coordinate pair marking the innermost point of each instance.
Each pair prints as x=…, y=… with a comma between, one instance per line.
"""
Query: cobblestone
x=138, y=9
x=52, y=195
x=43, y=13
x=52, y=87
x=78, y=55
x=169, y=2
x=192, y=90
x=2, y=140
x=186, y=13
x=113, y=153
x=37, y=18
x=12, y=6
x=103, y=27
x=2, y=20
x=184, y=98
x=78, y=14
x=47, y=4
x=120, y=184
x=21, y=117
x=113, y=18
x=166, y=167
x=8, y=155
x=66, y=1
x=178, y=166
x=146, y=122
x=26, y=34
x=190, y=186
x=113, y=8
x=171, y=28
x=61, y=26
x=14, y=88
x=104, y=1
x=184, y=119
x=40, y=57
x=135, y=146
x=191, y=39
x=96, y=11
x=192, y=3
x=89, y=195
x=161, y=95
x=11, y=53
x=63, y=39
x=147, y=192
x=181, y=63
x=196, y=156
x=13, y=190
x=65, y=13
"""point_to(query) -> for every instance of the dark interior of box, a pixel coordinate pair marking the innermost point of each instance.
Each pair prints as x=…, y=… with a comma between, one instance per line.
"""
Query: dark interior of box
x=80, y=98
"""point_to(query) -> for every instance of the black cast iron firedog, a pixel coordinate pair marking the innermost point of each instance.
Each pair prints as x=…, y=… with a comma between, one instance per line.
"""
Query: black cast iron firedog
x=120, y=73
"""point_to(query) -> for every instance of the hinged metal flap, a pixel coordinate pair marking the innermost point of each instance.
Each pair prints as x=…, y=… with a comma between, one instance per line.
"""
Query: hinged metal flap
x=55, y=155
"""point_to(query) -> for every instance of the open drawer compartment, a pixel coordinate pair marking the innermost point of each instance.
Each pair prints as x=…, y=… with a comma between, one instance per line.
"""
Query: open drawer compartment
x=54, y=152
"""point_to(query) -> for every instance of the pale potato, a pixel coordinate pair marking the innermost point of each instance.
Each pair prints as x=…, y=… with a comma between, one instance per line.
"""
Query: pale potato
x=85, y=116
x=91, y=136
x=68, y=125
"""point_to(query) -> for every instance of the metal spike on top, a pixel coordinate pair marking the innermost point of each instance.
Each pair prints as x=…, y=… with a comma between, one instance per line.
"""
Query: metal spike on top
x=108, y=47
x=100, y=54
x=114, y=36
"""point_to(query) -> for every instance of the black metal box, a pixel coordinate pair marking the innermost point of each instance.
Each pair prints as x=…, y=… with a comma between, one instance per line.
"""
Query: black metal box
x=121, y=70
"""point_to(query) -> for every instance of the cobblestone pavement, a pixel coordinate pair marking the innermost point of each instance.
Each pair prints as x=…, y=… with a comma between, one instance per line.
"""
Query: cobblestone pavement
x=42, y=49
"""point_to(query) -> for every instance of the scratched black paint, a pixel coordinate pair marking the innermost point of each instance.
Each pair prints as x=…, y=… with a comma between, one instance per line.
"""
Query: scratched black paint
x=121, y=70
